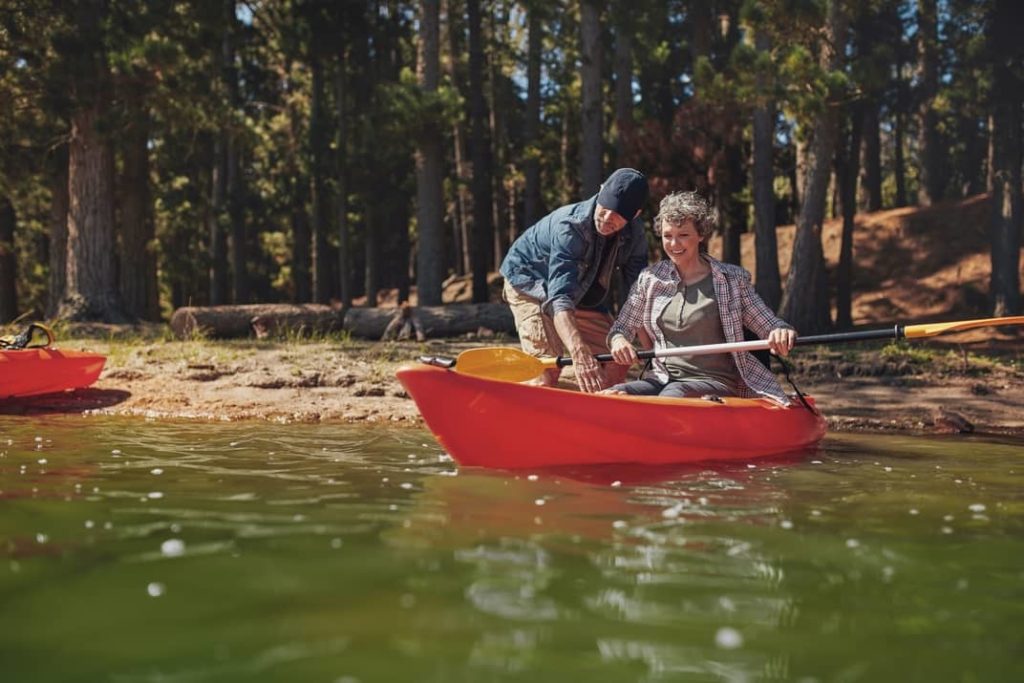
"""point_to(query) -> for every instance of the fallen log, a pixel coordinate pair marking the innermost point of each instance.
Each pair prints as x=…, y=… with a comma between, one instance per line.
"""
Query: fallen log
x=450, y=320
x=259, y=320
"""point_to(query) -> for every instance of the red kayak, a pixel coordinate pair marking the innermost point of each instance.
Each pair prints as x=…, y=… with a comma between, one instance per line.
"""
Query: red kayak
x=494, y=423
x=27, y=372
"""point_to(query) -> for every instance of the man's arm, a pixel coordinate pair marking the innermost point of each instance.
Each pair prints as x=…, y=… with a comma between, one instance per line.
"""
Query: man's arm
x=588, y=371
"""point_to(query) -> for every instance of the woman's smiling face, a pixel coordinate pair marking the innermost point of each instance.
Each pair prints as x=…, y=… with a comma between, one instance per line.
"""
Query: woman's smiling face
x=681, y=242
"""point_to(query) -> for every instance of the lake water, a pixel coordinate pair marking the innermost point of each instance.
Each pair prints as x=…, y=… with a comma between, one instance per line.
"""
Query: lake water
x=154, y=551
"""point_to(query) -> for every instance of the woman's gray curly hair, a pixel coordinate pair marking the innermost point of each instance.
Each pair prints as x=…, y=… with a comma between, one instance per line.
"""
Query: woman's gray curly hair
x=678, y=207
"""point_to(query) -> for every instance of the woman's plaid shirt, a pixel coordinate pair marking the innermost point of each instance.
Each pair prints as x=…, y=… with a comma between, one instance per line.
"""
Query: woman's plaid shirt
x=739, y=306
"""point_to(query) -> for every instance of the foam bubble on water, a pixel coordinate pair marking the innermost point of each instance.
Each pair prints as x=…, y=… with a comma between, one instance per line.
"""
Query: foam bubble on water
x=616, y=483
x=976, y=507
x=89, y=524
x=336, y=543
x=39, y=439
x=620, y=524
x=947, y=529
x=155, y=495
x=157, y=471
x=815, y=513
x=406, y=485
x=156, y=589
x=172, y=547
x=914, y=511
x=42, y=538
x=887, y=468
x=786, y=524
x=539, y=501
x=42, y=461
x=728, y=638
x=116, y=452
x=852, y=543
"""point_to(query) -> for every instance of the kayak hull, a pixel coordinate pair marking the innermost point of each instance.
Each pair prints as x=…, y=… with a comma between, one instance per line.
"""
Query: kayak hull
x=29, y=372
x=491, y=423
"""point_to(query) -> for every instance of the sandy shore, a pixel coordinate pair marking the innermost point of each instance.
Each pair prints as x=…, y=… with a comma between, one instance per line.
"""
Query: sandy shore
x=353, y=381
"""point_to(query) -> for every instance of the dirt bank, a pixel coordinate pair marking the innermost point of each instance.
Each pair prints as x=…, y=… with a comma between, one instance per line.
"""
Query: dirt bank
x=924, y=386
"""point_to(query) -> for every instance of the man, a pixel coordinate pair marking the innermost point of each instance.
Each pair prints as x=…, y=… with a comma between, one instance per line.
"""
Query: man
x=558, y=274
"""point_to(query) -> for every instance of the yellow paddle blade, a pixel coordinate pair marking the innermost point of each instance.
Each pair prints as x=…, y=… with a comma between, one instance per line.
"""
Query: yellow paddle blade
x=501, y=363
x=932, y=329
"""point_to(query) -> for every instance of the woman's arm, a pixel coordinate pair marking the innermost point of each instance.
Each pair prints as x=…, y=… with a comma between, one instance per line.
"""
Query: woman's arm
x=630, y=321
x=760, y=319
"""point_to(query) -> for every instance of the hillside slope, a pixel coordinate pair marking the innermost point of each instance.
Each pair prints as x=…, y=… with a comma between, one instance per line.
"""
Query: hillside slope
x=910, y=264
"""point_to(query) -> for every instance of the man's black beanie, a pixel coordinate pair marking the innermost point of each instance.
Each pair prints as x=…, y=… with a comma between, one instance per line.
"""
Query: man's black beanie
x=624, y=192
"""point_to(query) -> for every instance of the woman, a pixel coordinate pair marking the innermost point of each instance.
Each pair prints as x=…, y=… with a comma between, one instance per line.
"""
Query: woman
x=690, y=299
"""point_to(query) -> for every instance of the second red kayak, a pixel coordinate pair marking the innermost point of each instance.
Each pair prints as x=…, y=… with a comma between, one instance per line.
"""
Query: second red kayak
x=28, y=372
x=493, y=423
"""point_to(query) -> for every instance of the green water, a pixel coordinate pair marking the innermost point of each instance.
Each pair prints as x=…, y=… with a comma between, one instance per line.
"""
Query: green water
x=142, y=551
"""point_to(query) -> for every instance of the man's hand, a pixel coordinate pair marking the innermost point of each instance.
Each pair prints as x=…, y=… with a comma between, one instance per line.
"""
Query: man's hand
x=589, y=374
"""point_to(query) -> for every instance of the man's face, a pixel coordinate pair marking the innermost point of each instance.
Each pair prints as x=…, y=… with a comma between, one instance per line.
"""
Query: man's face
x=607, y=221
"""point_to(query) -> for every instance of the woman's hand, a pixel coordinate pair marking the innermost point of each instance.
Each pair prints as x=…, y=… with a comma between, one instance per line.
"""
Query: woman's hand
x=781, y=340
x=623, y=351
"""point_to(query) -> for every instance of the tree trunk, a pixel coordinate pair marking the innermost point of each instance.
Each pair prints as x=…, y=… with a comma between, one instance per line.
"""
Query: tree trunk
x=318, y=186
x=341, y=184
x=728, y=187
x=429, y=171
x=238, y=251
x=8, y=262
x=58, y=228
x=805, y=301
x=847, y=172
x=623, y=82
x=373, y=225
x=591, y=123
x=532, y=205
x=1006, y=212
x=138, y=237
x=91, y=292
x=236, y=214
x=499, y=144
x=227, y=322
x=768, y=281
x=932, y=175
x=452, y=320
x=481, y=155
x=300, y=240
x=871, y=183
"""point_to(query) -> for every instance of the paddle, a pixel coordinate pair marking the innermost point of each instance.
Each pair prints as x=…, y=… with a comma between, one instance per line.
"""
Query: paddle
x=512, y=365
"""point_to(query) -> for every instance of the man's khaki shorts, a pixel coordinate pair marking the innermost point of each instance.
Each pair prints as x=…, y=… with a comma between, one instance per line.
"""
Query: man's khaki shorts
x=538, y=337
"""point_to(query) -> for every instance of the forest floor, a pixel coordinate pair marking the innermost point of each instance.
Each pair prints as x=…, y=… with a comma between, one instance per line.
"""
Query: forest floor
x=912, y=266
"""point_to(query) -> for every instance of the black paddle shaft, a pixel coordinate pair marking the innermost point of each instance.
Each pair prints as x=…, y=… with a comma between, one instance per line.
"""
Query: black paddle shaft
x=894, y=332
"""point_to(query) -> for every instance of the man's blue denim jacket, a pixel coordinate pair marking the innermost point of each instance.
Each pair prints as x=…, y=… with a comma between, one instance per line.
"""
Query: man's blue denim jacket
x=555, y=260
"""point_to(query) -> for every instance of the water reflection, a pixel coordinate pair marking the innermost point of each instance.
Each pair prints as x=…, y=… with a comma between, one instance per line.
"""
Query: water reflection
x=651, y=542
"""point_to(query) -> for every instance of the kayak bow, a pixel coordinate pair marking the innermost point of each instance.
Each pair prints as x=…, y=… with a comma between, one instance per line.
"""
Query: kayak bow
x=28, y=372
